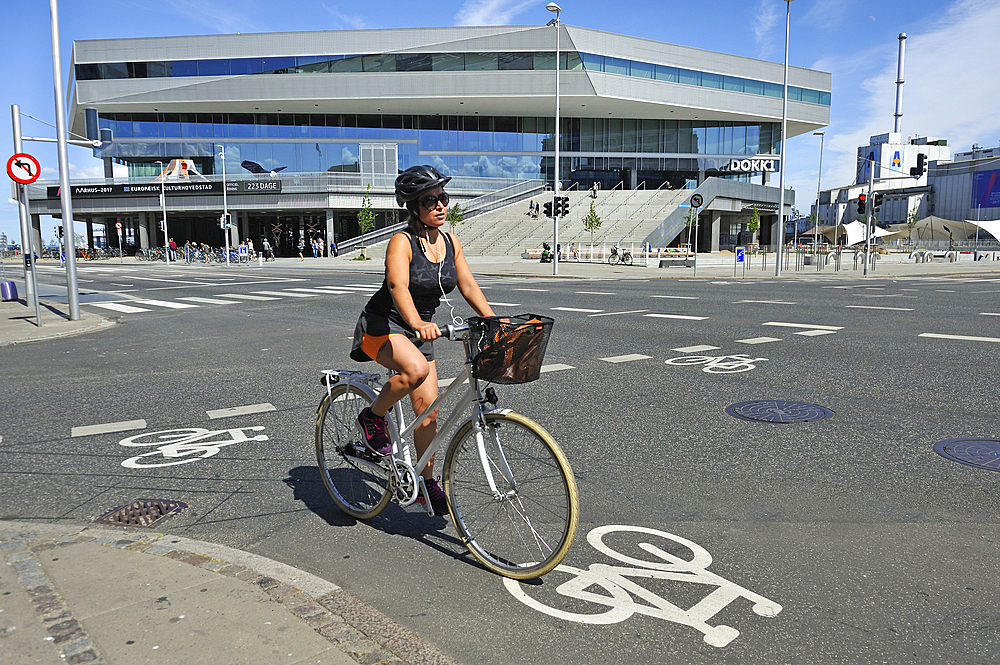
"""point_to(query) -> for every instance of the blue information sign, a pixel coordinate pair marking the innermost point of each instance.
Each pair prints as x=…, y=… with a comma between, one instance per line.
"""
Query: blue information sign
x=740, y=253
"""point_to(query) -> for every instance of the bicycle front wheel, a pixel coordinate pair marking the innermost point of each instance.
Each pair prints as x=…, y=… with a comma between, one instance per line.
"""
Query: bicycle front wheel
x=357, y=479
x=526, y=529
x=628, y=259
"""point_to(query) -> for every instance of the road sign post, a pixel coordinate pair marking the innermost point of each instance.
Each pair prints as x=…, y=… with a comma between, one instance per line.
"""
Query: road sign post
x=27, y=245
x=696, y=203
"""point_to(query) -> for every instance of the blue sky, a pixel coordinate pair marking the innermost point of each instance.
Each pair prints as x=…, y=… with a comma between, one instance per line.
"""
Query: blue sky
x=952, y=72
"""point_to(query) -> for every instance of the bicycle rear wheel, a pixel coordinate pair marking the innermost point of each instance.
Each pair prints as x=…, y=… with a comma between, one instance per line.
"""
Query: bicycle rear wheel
x=357, y=479
x=527, y=530
x=627, y=259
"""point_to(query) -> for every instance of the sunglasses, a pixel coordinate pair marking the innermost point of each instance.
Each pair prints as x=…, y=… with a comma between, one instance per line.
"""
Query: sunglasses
x=430, y=202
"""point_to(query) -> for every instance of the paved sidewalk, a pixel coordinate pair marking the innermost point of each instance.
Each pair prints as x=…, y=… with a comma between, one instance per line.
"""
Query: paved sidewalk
x=78, y=594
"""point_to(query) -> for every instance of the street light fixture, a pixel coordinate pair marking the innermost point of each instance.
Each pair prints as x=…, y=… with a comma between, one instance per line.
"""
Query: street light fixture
x=553, y=7
x=819, y=181
x=781, y=151
x=163, y=205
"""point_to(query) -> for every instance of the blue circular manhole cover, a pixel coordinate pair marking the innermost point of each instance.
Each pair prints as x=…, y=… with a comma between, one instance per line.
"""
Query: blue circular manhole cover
x=778, y=411
x=983, y=453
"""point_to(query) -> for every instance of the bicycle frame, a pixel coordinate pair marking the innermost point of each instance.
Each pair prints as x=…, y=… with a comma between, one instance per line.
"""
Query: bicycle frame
x=401, y=459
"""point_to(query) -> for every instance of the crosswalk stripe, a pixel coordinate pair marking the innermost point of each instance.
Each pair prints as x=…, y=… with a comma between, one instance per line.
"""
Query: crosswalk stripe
x=119, y=307
x=815, y=333
x=813, y=326
x=626, y=358
x=243, y=296
x=576, y=309
x=968, y=338
x=594, y=293
x=989, y=314
x=209, y=301
x=286, y=294
x=677, y=297
x=105, y=428
x=165, y=303
x=677, y=316
x=325, y=291
x=764, y=302
x=504, y=304
x=555, y=367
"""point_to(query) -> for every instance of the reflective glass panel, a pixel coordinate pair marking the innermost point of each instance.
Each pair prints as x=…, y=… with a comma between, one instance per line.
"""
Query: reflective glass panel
x=689, y=77
x=571, y=61
x=616, y=65
x=643, y=70
x=772, y=90
x=448, y=62
x=413, y=62
x=709, y=80
x=753, y=87
x=351, y=63
x=114, y=70
x=184, y=68
x=479, y=62
x=280, y=65
x=664, y=73
x=240, y=66
x=213, y=68
x=515, y=60
x=591, y=62
x=544, y=61
x=88, y=72
x=733, y=83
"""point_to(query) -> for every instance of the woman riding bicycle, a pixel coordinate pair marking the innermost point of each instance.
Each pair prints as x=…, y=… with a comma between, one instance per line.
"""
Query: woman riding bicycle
x=422, y=264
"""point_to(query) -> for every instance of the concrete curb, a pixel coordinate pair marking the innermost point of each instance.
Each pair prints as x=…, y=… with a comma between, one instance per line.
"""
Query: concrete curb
x=351, y=626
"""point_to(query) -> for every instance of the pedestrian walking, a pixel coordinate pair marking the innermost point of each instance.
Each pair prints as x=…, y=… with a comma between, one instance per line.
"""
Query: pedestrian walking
x=333, y=248
x=302, y=248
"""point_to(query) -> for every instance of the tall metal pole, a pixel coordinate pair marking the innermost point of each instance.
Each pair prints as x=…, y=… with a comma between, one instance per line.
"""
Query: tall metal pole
x=163, y=205
x=553, y=7
x=781, y=150
x=27, y=246
x=72, y=288
x=225, y=204
x=898, y=115
x=869, y=208
x=819, y=188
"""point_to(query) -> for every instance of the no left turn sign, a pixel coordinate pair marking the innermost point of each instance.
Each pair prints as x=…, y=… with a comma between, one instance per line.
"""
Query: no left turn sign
x=696, y=201
x=118, y=225
x=23, y=168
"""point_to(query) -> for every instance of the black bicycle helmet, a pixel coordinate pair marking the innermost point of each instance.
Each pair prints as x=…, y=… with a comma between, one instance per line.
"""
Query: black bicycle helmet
x=416, y=180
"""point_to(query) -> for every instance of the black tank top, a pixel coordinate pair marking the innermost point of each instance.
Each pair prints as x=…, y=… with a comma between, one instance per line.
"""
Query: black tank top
x=427, y=282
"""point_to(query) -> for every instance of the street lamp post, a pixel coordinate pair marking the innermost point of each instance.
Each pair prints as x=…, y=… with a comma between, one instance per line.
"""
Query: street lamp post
x=553, y=7
x=225, y=203
x=163, y=206
x=781, y=150
x=819, y=186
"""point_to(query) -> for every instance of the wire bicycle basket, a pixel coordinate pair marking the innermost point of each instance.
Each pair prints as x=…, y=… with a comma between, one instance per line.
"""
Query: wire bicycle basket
x=511, y=348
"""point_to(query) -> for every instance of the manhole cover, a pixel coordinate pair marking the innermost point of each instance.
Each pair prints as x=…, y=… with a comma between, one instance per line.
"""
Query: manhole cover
x=142, y=512
x=983, y=453
x=777, y=411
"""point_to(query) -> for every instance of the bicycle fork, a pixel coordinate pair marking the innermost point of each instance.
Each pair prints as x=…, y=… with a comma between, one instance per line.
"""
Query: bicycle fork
x=501, y=461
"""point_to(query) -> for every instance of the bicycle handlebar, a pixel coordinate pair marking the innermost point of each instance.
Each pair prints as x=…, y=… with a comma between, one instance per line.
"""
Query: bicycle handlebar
x=449, y=331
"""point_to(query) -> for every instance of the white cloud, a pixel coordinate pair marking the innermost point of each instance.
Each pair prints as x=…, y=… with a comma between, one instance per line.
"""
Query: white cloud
x=344, y=21
x=768, y=16
x=951, y=84
x=222, y=18
x=490, y=12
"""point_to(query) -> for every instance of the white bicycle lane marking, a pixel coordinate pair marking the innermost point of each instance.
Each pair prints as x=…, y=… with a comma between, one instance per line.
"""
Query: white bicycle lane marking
x=180, y=445
x=620, y=591
x=719, y=364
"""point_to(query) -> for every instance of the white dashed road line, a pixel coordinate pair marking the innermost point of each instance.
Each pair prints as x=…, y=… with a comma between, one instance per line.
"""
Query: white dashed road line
x=504, y=304
x=813, y=326
x=631, y=311
x=105, y=428
x=989, y=314
x=968, y=338
x=764, y=302
x=240, y=410
x=288, y=294
x=759, y=340
x=677, y=297
x=677, y=316
x=627, y=358
x=697, y=348
x=575, y=309
x=556, y=367
x=538, y=290
x=815, y=333
x=594, y=293
x=894, y=309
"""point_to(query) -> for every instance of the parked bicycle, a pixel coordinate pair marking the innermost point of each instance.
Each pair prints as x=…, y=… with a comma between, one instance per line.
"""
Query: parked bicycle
x=511, y=492
x=620, y=255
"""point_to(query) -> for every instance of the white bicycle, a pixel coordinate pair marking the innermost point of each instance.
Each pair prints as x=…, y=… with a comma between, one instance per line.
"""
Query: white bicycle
x=719, y=364
x=510, y=490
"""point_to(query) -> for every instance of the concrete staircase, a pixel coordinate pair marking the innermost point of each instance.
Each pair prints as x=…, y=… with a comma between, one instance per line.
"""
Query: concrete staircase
x=627, y=217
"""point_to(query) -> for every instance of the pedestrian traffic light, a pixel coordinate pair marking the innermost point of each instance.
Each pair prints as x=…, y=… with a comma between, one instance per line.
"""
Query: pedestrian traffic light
x=862, y=204
x=59, y=230
x=918, y=170
x=877, y=200
x=163, y=227
x=225, y=221
x=547, y=208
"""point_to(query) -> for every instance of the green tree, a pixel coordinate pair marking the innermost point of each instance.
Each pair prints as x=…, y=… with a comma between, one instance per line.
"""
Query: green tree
x=455, y=216
x=754, y=224
x=911, y=221
x=592, y=221
x=690, y=221
x=366, y=218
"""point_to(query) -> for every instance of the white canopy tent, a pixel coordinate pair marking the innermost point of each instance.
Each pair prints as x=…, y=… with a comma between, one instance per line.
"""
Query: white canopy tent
x=934, y=228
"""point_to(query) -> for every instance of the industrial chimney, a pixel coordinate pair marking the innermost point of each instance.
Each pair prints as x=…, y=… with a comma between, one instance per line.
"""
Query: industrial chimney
x=899, y=82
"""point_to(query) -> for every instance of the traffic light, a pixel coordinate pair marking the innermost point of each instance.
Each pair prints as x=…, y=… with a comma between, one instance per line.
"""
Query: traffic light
x=547, y=208
x=862, y=200
x=918, y=170
x=562, y=206
x=225, y=221
x=59, y=230
x=877, y=200
x=163, y=227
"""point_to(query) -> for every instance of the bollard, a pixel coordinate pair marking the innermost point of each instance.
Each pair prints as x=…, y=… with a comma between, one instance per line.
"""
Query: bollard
x=260, y=259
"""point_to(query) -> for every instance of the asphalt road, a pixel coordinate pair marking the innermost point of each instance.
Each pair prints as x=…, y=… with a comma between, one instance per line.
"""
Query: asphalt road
x=842, y=540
